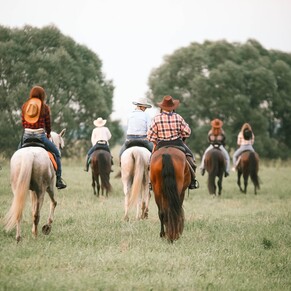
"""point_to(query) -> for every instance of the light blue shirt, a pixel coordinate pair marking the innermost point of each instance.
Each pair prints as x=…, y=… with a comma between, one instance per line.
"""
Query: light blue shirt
x=138, y=123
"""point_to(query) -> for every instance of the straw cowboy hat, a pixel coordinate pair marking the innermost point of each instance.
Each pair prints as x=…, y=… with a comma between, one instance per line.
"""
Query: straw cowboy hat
x=99, y=122
x=216, y=123
x=142, y=102
x=32, y=110
x=169, y=103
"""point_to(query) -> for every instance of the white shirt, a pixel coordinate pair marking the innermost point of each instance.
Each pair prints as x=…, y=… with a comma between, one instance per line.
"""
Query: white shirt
x=138, y=123
x=100, y=133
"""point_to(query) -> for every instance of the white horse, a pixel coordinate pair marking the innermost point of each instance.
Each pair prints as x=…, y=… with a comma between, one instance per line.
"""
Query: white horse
x=31, y=169
x=135, y=179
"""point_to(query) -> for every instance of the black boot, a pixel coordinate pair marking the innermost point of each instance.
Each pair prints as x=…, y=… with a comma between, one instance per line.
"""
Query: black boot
x=194, y=183
x=60, y=184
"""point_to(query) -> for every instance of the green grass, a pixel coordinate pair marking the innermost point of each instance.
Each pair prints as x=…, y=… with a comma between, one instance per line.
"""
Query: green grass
x=235, y=242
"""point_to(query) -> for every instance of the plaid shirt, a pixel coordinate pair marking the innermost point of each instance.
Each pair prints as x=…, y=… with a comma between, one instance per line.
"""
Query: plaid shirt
x=44, y=120
x=168, y=126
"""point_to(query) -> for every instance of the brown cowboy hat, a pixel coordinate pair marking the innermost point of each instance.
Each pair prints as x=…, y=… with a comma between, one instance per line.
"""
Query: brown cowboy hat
x=216, y=123
x=99, y=122
x=168, y=103
x=32, y=110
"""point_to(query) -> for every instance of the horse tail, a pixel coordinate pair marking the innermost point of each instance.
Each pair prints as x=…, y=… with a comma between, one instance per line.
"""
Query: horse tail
x=104, y=174
x=174, y=214
x=253, y=168
x=139, y=177
x=20, y=179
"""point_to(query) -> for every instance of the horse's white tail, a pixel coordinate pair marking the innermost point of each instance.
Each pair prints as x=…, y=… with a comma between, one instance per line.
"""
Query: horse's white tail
x=21, y=168
x=139, y=179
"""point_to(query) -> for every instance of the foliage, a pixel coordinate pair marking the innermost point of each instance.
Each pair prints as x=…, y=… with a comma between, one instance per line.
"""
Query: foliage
x=235, y=82
x=71, y=74
x=236, y=242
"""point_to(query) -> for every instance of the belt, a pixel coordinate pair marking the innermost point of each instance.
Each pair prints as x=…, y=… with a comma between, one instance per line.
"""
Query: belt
x=31, y=130
x=136, y=135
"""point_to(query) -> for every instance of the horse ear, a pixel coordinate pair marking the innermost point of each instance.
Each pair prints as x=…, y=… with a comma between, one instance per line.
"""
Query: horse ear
x=62, y=133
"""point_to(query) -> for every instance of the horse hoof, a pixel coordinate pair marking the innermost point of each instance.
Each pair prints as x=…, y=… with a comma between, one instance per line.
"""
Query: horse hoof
x=46, y=229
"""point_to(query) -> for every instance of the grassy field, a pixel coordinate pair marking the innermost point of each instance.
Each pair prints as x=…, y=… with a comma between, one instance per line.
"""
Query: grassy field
x=235, y=242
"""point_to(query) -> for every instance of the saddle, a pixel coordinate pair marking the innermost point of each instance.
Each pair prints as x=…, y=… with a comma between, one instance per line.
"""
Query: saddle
x=170, y=143
x=35, y=142
x=137, y=143
x=216, y=146
x=32, y=142
x=101, y=145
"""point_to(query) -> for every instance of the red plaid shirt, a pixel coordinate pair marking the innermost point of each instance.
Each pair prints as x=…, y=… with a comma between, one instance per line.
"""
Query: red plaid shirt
x=44, y=120
x=168, y=126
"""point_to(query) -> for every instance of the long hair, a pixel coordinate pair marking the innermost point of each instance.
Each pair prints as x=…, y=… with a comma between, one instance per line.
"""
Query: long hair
x=38, y=92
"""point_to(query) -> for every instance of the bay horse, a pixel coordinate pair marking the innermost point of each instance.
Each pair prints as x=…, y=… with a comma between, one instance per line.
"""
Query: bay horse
x=135, y=180
x=215, y=166
x=170, y=177
x=101, y=168
x=31, y=169
x=248, y=165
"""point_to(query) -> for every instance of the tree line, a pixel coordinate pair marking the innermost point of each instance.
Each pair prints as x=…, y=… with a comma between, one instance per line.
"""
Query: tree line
x=235, y=82
x=77, y=90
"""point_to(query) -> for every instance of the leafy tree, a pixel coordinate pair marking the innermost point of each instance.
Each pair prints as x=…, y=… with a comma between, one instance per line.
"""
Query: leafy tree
x=71, y=74
x=235, y=82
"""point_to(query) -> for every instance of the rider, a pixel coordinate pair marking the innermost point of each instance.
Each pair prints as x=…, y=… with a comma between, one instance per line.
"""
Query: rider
x=99, y=139
x=245, y=140
x=138, y=124
x=169, y=127
x=36, y=121
x=216, y=136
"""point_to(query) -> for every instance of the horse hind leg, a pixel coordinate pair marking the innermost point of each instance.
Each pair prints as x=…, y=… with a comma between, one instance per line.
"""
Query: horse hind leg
x=46, y=229
x=238, y=181
x=18, y=231
x=245, y=184
x=219, y=185
x=93, y=185
x=36, y=203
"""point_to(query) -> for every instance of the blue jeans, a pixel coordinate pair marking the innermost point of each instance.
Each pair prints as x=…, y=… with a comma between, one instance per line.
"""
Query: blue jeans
x=238, y=152
x=49, y=146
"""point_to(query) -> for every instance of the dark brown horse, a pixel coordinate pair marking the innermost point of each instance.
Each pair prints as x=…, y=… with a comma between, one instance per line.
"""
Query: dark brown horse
x=248, y=165
x=215, y=166
x=101, y=166
x=170, y=177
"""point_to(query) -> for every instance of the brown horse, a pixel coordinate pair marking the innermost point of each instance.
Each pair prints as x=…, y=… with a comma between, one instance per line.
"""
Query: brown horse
x=248, y=165
x=101, y=167
x=215, y=166
x=170, y=177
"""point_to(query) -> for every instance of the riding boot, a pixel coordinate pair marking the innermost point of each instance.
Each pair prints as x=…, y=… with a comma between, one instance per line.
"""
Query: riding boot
x=60, y=184
x=86, y=169
x=194, y=183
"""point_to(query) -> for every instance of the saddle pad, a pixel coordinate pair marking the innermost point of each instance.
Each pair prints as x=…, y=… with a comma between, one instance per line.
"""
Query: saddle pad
x=53, y=160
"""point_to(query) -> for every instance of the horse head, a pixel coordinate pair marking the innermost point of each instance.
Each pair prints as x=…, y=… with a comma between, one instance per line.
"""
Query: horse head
x=57, y=139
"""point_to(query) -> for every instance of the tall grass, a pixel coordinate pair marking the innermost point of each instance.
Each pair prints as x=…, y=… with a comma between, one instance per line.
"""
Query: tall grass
x=235, y=242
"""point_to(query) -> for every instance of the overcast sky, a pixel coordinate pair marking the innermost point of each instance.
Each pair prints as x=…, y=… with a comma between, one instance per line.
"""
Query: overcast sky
x=131, y=37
